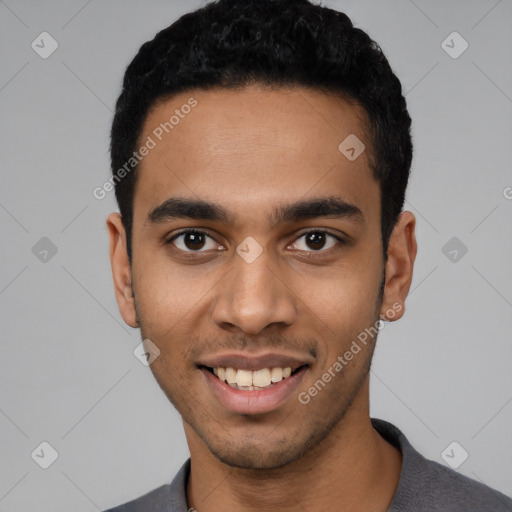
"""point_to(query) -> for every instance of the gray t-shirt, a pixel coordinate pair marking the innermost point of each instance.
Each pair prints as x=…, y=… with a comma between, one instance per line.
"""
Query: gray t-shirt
x=424, y=486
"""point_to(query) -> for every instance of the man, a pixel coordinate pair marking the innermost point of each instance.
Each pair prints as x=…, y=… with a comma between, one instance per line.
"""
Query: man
x=261, y=151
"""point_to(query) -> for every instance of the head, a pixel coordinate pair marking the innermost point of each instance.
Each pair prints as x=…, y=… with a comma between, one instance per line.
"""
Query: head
x=243, y=108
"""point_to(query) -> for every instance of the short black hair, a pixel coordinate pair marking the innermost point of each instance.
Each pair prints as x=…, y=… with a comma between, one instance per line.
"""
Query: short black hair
x=234, y=43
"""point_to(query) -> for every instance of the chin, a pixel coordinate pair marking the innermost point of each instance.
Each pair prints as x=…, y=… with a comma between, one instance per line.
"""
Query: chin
x=255, y=456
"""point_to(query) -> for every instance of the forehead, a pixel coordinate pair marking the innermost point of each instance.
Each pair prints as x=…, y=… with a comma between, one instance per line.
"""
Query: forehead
x=253, y=146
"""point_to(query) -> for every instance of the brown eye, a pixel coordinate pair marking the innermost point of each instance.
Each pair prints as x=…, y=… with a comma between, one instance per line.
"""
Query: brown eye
x=192, y=240
x=317, y=241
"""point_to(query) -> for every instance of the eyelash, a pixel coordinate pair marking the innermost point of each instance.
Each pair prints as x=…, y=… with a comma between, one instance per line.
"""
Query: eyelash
x=340, y=240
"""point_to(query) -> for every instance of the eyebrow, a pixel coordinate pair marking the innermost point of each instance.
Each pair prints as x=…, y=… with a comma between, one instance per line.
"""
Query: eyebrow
x=198, y=209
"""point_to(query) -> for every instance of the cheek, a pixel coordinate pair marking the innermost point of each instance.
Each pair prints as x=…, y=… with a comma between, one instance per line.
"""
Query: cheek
x=166, y=292
x=344, y=294
x=343, y=304
x=342, y=297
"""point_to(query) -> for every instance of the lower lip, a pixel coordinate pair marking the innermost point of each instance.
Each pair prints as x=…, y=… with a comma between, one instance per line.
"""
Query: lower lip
x=254, y=402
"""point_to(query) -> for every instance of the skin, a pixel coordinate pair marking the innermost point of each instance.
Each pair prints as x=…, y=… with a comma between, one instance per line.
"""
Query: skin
x=248, y=151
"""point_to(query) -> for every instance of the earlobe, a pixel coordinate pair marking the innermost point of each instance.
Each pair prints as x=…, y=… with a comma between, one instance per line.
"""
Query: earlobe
x=402, y=251
x=121, y=271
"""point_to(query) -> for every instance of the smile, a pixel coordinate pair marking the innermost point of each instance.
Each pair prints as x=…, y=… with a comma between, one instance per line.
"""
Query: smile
x=253, y=391
x=252, y=380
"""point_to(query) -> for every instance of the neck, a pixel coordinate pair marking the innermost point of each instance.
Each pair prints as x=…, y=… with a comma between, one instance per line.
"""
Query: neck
x=353, y=468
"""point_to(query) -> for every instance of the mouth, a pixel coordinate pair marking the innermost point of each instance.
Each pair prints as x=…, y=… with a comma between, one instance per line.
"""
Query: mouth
x=253, y=380
x=259, y=391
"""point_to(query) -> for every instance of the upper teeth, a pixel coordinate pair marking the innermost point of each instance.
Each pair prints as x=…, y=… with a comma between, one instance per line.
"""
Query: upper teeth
x=250, y=379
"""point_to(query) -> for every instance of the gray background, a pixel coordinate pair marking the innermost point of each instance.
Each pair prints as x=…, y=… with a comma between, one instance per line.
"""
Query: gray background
x=68, y=375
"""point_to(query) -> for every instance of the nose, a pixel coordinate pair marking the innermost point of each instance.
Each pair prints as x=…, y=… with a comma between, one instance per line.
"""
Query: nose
x=252, y=297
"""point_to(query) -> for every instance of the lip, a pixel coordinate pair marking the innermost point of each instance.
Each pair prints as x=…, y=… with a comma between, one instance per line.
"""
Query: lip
x=245, y=361
x=254, y=402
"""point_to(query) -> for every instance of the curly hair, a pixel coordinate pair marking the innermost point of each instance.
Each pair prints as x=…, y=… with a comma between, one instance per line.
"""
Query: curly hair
x=234, y=43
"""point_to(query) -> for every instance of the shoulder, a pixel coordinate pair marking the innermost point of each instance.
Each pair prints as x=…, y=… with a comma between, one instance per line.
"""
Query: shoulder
x=154, y=500
x=426, y=485
x=445, y=487
x=166, y=498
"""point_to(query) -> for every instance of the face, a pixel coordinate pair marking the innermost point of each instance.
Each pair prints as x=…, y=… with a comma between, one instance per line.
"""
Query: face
x=257, y=252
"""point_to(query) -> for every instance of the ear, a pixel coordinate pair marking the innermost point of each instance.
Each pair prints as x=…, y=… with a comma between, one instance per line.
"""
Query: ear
x=402, y=250
x=121, y=271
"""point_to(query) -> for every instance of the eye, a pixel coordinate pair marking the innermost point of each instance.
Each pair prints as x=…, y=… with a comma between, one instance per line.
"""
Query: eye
x=316, y=240
x=192, y=240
